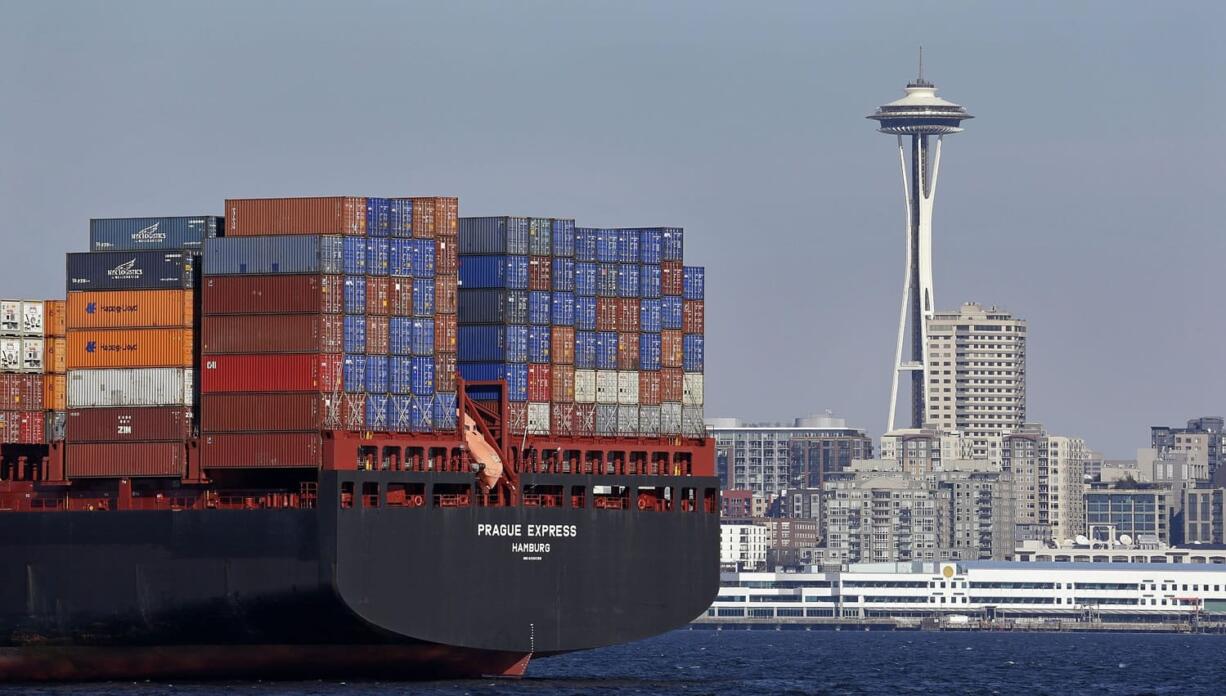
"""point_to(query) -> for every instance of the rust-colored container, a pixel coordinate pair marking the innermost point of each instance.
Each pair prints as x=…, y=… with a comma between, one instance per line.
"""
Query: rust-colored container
x=352, y=412
x=378, y=295
x=272, y=333
x=563, y=383
x=540, y=273
x=583, y=420
x=55, y=392
x=444, y=372
x=21, y=392
x=55, y=355
x=628, y=350
x=446, y=294
x=693, y=316
x=274, y=294
x=150, y=424
x=271, y=373
x=260, y=450
x=377, y=335
x=130, y=309
x=124, y=459
x=400, y=295
x=628, y=315
x=540, y=382
x=55, y=313
x=326, y=215
x=95, y=348
x=672, y=349
x=562, y=345
x=672, y=278
x=436, y=216
x=238, y=413
x=445, y=333
x=649, y=388
x=608, y=313
x=672, y=384
x=446, y=256
x=517, y=417
x=562, y=419
x=23, y=427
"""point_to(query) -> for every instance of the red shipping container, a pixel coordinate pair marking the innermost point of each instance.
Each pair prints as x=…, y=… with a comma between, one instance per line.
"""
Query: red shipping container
x=446, y=256
x=693, y=316
x=540, y=273
x=22, y=427
x=672, y=349
x=583, y=422
x=271, y=373
x=445, y=333
x=21, y=392
x=261, y=451
x=672, y=383
x=649, y=388
x=563, y=383
x=324, y=215
x=125, y=424
x=353, y=412
x=423, y=218
x=274, y=294
x=400, y=293
x=446, y=294
x=436, y=216
x=236, y=413
x=672, y=278
x=608, y=313
x=124, y=459
x=376, y=335
x=540, y=382
x=562, y=419
x=272, y=333
x=562, y=345
x=627, y=351
x=378, y=295
x=628, y=315
x=444, y=371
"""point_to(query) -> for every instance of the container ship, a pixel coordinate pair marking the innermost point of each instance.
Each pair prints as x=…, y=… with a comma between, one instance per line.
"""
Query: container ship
x=352, y=437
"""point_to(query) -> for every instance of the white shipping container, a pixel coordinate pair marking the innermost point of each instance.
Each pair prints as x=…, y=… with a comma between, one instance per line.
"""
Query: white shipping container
x=670, y=418
x=159, y=386
x=585, y=386
x=691, y=386
x=628, y=388
x=10, y=355
x=32, y=354
x=10, y=316
x=627, y=420
x=538, y=418
x=606, y=419
x=649, y=420
x=606, y=387
x=692, y=424
x=32, y=317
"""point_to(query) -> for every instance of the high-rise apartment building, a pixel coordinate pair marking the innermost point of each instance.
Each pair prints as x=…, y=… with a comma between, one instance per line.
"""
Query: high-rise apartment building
x=871, y=516
x=920, y=451
x=974, y=511
x=976, y=373
x=1203, y=439
x=1048, y=473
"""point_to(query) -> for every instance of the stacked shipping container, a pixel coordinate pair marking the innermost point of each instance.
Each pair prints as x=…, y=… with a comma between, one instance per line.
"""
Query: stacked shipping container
x=131, y=346
x=22, y=364
x=598, y=332
x=323, y=314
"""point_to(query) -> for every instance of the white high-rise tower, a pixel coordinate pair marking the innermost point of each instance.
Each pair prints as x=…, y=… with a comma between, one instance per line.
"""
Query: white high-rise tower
x=921, y=114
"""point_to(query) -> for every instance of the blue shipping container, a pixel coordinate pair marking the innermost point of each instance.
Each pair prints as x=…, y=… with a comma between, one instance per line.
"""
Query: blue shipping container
x=376, y=412
x=606, y=279
x=606, y=350
x=378, y=217
x=563, y=238
x=133, y=270
x=400, y=217
x=585, y=244
x=563, y=275
x=423, y=376
x=445, y=411
x=539, y=341
x=628, y=246
x=400, y=335
x=421, y=415
x=649, y=351
x=585, y=350
x=540, y=236
x=670, y=313
x=400, y=413
x=378, y=252
x=693, y=357
x=400, y=258
x=353, y=376
x=585, y=313
x=423, y=298
x=355, y=334
x=492, y=343
x=494, y=272
x=651, y=246
x=355, y=255
x=672, y=248
x=493, y=307
x=376, y=374
x=695, y=282
x=649, y=315
x=355, y=294
x=400, y=374
x=290, y=253
x=628, y=280
x=423, y=337
x=422, y=257
x=515, y=375
x=158, y=233
x=563, y=313
x=540, y=306
x=585, y=279
x=494, y=235
x=607, y=243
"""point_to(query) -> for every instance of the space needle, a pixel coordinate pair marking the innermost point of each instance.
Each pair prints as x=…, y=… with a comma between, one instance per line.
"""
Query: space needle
x=920, y=114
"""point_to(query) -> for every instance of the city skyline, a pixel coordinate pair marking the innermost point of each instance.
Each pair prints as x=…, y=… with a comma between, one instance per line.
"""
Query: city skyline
x=1077, y=205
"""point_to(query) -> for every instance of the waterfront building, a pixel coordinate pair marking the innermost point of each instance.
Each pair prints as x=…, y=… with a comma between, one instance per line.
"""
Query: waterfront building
x=743, y=546
x=1142, y=514
x=1048, y=473
x=1114, y=551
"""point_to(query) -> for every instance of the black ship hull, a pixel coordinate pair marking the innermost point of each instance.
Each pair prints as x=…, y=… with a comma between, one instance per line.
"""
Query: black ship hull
x=346, y=590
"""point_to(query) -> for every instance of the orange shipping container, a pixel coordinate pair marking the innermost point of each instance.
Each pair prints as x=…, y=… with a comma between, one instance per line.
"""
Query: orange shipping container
x=54, y=318
x=55, y=390
x=130, y=309
x=55, y=350
x=89, y=349
x=331, y=215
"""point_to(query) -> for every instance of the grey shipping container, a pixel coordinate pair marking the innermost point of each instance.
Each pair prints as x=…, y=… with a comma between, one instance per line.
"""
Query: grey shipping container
x=490, y=306
x=649, y=420
x=494, y=235
x=692, y=424
x=670, y=418
x=606, y=419
x=300, y=254
x=129, y=234
x=162, y=386
x=627, y=420
x=131, y=270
